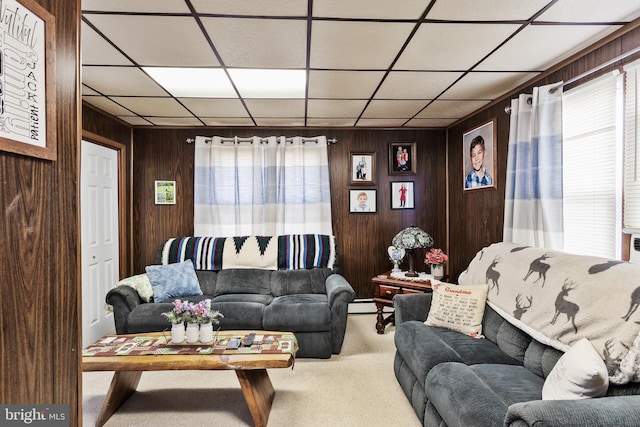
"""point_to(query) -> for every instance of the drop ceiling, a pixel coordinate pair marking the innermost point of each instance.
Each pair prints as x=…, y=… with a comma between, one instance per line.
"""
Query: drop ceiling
x=369, y=63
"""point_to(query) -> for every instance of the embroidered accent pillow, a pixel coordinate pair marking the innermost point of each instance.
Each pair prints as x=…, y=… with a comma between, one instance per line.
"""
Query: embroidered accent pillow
x=173, y=280
x=579, y=374
x=141, y=284
x=459, y=308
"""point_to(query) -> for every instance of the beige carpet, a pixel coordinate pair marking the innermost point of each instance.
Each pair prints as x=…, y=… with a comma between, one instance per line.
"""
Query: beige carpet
x=354, y=388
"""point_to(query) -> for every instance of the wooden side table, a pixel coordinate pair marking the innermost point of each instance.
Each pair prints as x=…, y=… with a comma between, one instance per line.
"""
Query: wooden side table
x=385, y=288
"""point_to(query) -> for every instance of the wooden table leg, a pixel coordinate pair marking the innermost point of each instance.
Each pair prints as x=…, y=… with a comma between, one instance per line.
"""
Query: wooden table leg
x=258, y=392
x=123, y=384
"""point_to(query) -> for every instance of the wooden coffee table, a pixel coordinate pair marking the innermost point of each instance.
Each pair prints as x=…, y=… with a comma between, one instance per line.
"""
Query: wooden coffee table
x=251, y=370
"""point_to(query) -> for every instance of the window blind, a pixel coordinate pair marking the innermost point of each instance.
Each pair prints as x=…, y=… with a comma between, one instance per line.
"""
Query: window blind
x=632, y=149
x=592, y=177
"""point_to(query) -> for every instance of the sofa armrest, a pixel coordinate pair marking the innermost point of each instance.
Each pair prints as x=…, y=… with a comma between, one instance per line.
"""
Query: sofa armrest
x=337, y=287
x=616, y=411
x=123, y=299
x=411, y=307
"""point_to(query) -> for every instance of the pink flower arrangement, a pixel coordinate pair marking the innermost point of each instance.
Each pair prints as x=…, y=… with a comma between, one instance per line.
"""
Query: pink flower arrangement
x=435, y=257
x=200, y=312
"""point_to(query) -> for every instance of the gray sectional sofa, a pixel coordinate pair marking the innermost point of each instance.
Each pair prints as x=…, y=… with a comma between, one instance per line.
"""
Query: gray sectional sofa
x=311, y=302
x=453, y=379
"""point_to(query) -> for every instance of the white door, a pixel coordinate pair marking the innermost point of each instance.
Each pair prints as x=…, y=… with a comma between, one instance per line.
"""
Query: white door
x=99, y=223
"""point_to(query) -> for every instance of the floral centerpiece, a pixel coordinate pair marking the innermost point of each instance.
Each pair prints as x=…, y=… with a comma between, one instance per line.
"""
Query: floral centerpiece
x=200, y=318
x=435, y=258
x=179, y=312
x=202, y=313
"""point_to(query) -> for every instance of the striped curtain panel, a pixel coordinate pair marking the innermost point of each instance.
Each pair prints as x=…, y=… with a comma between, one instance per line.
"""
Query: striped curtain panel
x=261, y=186
x=533, y=191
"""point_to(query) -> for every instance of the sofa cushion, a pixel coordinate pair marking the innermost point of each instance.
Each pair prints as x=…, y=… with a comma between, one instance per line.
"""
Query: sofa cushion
x=459, y=308
x=207, y=279
x=540, y=358
x=243, y=281
x=305, y=281
x=507, y=337
x=298, y=313
x=141, y=284
x=423, y=347
x=241, y=311
x=485, y=393
x=173, y=281
x=579, y=374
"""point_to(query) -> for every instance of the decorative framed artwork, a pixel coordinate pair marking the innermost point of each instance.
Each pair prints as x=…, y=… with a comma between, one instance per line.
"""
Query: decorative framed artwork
x=362, y=201
x=402, y=195
x=402, y=157
x=479, y=158
x=165, y=192
x=27, y=80
x=363, y=168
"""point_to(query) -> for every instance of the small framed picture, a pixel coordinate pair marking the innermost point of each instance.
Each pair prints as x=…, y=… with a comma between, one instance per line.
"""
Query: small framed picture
x=363, y=168
x=362, y=201
x=402, y=157
x=479, y=158
x=165, y=192
x=402, y=195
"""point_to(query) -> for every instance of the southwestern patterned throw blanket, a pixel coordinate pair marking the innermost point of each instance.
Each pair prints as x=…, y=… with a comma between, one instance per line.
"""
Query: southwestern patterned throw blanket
x=285, y=252
x=559, y=298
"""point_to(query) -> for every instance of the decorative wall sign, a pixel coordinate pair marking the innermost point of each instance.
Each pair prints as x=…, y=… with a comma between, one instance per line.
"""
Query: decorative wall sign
x=479, y=158
x=27, y=79
x=165, y=192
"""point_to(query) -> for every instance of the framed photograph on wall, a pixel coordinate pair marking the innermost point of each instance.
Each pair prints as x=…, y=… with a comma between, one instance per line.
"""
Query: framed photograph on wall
x=165, y=192
x=479, y=157
x=362, y=201
x=363, y=168
x=27, y=79
x=402, y=195
x=402, y=157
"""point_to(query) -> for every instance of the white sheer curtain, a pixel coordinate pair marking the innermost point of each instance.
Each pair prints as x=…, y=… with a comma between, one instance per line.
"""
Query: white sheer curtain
x=533, y=191
x=261, y=186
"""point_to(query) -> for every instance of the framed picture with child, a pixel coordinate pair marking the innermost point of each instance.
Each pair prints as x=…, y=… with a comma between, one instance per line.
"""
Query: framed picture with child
x=362, y=201
x=479, y=158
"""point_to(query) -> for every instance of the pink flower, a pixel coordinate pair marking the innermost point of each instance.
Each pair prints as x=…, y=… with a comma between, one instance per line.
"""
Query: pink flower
x=435, y=256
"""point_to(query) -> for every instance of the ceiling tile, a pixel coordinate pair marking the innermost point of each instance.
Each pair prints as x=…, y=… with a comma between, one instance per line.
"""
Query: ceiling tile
x=343, y=84
x=97, y=51
x=393, y=109
x=175, y=121
x=280, y=122
x=149, y=6
x=151, y=40
x=486, y=85
x=448, y=109
x=445, y=46
x=122, y=81
x=369, y=9
x=208, y=107
x=430, y=123
x=88, y=91
x=330, y=122
x=252, y=7
x=530, y=49
x=336, y=109
x=276, y=107
x=227, y=121
x=105, y=104
x=390, y=123
x=146, y=106
x=486, y=10
x=135, y=120
x=592, y=11
x=356, y=45
x=259, y=43
x=416, y=85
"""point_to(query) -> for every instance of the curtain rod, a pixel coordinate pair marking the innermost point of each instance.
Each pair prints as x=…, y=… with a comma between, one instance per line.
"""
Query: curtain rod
x=329, y=141
x=591, y=71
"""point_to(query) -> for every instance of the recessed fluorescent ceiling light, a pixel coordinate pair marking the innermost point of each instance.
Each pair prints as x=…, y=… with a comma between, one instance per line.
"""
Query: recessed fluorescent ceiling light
x=193, y=82
x=269, y=83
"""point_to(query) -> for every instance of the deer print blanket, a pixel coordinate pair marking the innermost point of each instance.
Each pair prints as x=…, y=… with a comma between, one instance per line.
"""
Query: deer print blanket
x=559, y=298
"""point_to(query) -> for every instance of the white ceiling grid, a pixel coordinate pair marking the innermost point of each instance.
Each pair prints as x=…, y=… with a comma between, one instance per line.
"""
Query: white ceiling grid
x=369, y=63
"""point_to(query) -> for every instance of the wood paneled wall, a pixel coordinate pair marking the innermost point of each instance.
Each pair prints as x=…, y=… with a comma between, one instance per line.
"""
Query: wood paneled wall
x=477, y=217
x=363, y=239
x=39, y=277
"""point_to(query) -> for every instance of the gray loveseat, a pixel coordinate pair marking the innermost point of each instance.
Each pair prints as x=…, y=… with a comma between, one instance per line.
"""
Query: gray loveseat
x=452, y=379
x=311, y=302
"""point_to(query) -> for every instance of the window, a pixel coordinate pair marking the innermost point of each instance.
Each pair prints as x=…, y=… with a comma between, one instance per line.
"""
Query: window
x=593, y=167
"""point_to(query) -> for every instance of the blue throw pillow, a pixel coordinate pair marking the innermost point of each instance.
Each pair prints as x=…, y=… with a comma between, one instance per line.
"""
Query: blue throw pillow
x=173, y=280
